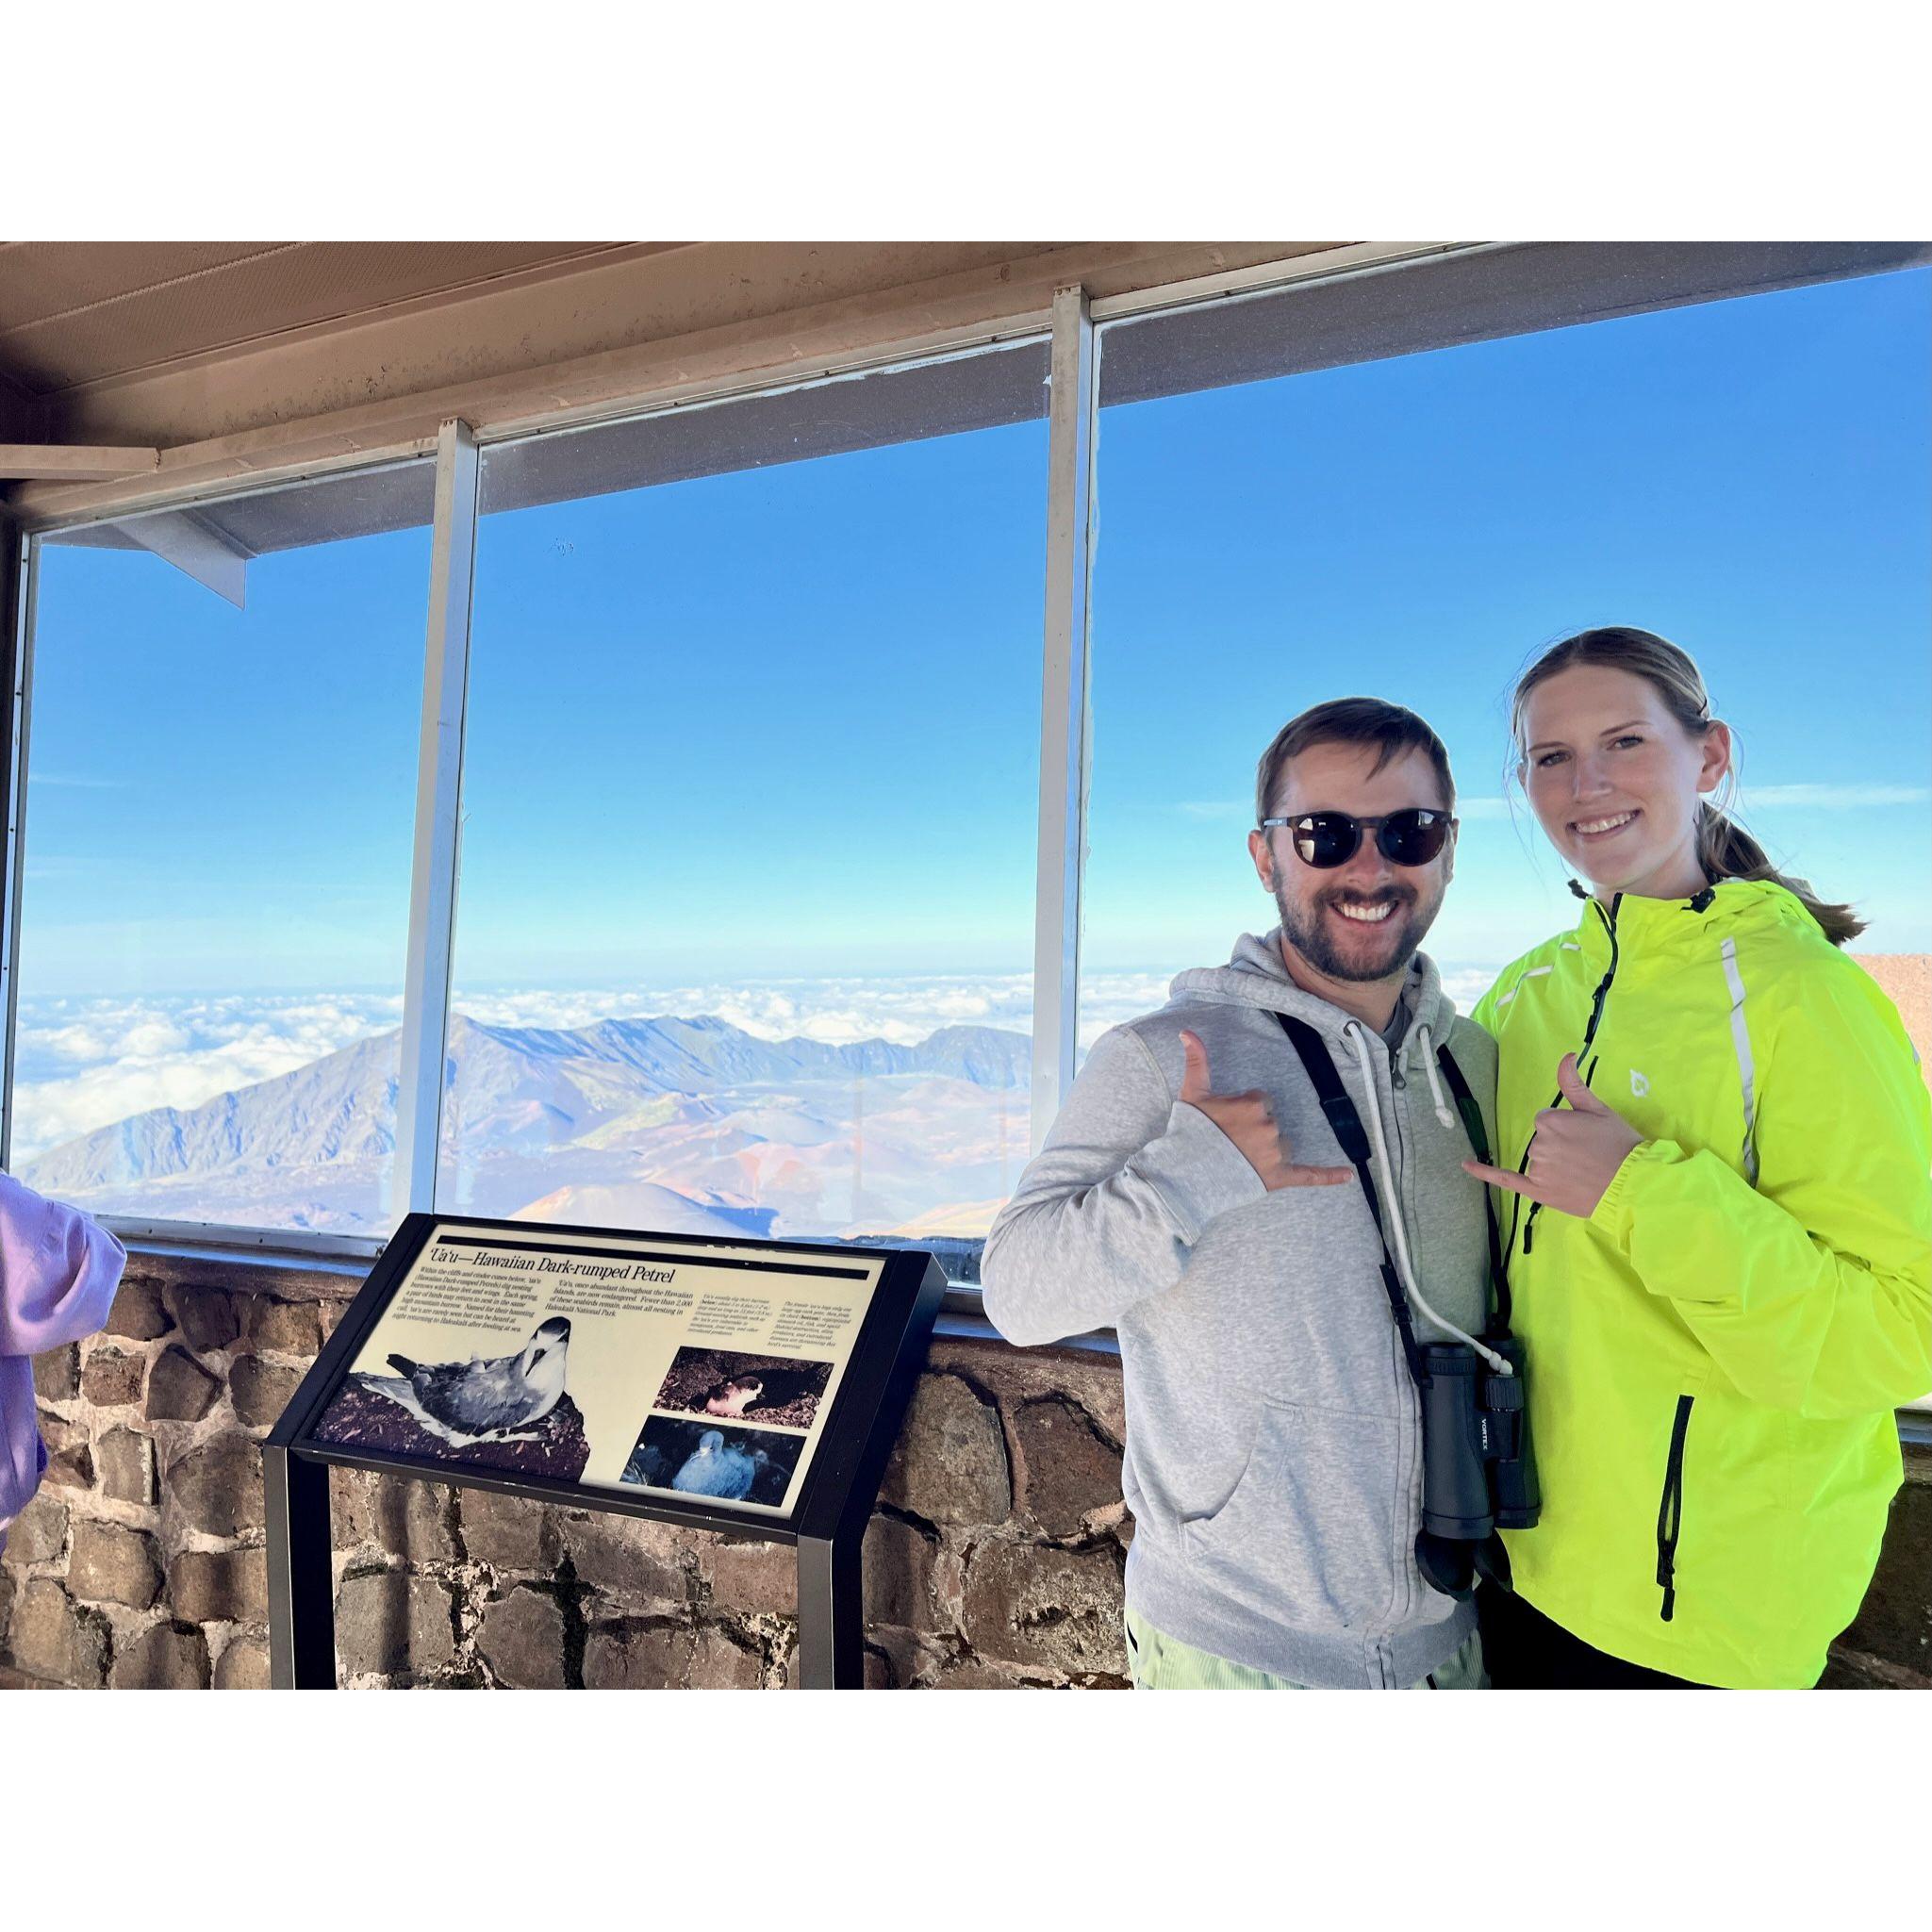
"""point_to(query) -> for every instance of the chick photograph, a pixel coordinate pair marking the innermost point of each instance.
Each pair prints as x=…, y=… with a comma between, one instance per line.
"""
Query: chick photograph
x=749, y=1388
x=733, y=1465
x=509, y=1412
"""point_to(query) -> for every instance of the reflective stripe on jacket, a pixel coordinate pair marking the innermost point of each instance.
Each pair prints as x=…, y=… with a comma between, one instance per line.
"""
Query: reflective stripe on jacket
x=1714, y=1355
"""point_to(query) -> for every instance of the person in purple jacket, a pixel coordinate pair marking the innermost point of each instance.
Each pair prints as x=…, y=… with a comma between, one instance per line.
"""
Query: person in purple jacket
x=57, y=1275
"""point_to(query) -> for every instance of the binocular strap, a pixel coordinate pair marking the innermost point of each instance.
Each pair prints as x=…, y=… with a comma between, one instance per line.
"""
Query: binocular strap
x=1346, y=1124
x=1479, y=1139
x=1449, y=1563
x=1347, y=1127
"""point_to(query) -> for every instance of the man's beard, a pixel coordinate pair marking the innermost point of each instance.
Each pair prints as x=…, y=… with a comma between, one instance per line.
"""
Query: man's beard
x=1311, y=940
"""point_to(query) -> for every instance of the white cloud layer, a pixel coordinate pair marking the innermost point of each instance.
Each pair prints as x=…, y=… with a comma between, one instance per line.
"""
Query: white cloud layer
x=1821, y=798
x=84, y=1064
x=1829, y=797
x=81, y=1064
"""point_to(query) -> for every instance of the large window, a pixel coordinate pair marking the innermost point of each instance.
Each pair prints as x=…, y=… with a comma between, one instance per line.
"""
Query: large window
x=746, y=914
x=215, y=893
x=754, y=830
x=1748, y=477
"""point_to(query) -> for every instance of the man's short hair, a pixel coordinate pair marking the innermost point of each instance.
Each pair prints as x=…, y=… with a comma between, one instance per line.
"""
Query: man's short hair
x=1350, y=721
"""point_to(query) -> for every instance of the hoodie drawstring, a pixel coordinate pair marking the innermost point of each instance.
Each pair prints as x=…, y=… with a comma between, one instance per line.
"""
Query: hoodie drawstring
x=1435, y=1082
x=1358, y=1039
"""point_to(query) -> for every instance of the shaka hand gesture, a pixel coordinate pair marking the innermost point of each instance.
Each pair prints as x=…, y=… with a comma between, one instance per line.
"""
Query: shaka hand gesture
x=1249, y=1121
x=1576, y=1153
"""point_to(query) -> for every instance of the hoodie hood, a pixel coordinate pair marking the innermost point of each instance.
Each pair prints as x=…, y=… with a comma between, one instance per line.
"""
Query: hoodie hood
x=1256, y=977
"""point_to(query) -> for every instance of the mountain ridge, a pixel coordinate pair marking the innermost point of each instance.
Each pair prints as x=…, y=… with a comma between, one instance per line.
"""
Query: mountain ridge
x=533, y=1086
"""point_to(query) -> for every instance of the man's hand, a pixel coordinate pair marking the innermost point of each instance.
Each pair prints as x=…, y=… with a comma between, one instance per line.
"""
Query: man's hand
x=1576, y=1153
x=1249, y=1121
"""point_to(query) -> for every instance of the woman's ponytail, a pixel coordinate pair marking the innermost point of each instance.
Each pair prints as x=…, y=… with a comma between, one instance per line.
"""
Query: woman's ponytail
x=1724, y=848
x=1726, y=851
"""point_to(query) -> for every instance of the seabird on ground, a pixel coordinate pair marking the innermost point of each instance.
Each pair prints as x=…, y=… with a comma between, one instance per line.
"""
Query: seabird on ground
x=466, y=1402
x=734, y=1396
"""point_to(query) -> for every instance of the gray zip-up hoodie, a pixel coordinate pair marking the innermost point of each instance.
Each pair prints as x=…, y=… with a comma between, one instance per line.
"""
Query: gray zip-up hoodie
x=1273, y=1459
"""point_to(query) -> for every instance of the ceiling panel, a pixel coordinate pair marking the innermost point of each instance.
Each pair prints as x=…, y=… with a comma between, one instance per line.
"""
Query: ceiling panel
x=42, y=279
x=80, y=312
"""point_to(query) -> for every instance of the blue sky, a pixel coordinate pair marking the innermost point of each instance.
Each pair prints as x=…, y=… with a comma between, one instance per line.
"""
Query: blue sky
x=1748, y=478
x=785, y=721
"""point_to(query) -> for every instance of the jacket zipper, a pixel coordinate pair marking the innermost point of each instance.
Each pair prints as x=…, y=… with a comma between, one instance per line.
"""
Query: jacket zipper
x=1670, y=1510
x=1596, y=1006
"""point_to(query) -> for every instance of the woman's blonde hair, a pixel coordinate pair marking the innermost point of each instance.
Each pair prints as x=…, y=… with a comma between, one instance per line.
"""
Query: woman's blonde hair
x=1724, y=848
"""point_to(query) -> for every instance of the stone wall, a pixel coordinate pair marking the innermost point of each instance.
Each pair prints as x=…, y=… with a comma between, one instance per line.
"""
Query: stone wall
x=994, y=1558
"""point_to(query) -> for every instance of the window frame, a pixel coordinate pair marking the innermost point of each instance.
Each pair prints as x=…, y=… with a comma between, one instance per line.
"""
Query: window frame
x=1075, y=333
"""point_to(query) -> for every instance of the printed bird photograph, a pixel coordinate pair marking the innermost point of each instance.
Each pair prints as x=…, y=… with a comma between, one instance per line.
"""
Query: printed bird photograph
x=719, y=1463
x=511, y=1412
x=774, y=1390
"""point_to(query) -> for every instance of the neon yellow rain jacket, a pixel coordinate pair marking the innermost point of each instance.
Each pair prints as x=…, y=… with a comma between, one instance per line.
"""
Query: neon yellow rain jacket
x=1716, y=1353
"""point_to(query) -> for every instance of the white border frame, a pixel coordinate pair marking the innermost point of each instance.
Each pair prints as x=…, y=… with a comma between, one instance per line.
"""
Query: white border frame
x=433, y=873
x=21, y=580
x=1065, y=715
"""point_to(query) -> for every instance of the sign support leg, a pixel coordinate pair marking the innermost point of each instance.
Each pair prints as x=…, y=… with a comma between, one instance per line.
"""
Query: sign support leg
x=302, y=1608
x=832, y=1613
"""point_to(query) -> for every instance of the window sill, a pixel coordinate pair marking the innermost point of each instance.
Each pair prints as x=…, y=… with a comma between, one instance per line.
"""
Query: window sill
x=296, y=1274
x=287, y=1275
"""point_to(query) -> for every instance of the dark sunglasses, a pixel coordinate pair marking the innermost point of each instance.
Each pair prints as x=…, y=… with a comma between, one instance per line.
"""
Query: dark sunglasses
x=1325, y=839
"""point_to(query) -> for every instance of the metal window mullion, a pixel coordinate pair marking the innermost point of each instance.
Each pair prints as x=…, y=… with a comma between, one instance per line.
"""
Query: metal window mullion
x=438, y=823
x=17, y=613
x=1065, y=720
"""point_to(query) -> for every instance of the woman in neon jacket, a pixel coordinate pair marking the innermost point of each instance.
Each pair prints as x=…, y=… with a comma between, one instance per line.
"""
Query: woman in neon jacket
x=1718, y=1227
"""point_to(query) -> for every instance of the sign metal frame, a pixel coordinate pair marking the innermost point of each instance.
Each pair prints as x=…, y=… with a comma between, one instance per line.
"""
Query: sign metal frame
x=826, y=1524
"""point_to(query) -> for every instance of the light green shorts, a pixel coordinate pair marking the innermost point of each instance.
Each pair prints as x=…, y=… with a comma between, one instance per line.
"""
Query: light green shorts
x=1164, y=1663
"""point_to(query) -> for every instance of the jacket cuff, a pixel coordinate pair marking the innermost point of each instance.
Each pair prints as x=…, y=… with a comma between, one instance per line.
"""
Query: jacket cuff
x=1612, y=1214
x=1197, y=1170
x=1635, y=1189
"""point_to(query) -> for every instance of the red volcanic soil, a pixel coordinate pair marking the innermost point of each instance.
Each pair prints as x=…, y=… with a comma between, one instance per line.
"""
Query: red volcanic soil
x=1906, y=980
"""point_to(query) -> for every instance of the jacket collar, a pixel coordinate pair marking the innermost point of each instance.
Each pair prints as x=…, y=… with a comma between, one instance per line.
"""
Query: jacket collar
x=1658, y=925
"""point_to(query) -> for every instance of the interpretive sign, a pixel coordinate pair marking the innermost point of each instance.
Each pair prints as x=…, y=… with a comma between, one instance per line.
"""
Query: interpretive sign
x=649, y=1362
x=752, y=1387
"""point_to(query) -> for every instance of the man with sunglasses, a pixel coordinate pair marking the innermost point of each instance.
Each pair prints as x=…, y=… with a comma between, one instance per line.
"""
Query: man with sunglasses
x=1193, y=1197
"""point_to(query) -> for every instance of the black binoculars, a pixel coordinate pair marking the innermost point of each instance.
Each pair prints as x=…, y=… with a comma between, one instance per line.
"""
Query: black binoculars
x=1479, y=1473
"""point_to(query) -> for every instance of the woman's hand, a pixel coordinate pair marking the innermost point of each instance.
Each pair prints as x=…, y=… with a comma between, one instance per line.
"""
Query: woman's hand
x=1576, y=1153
